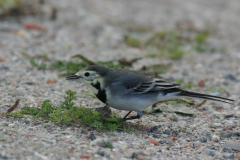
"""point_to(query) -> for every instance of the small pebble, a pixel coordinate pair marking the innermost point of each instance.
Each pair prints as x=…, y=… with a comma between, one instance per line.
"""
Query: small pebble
x=91, y=137
x=215, y=138
x=227, y=150
x=154, y=129
x=203, y=139
x=228, y=155
x=226, y=134
x=211, y=153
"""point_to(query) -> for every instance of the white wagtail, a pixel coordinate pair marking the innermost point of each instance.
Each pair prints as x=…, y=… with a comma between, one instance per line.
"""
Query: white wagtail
x=133, y=91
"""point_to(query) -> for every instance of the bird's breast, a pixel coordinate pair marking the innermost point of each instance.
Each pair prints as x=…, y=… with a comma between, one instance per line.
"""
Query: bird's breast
x=101, y=95
x=99, y=91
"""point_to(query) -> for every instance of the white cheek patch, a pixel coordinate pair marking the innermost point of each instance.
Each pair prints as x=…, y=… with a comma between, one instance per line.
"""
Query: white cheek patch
x=94, y=90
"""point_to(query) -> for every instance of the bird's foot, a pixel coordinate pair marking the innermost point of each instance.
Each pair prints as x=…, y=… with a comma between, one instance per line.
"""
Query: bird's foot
x=139, y=115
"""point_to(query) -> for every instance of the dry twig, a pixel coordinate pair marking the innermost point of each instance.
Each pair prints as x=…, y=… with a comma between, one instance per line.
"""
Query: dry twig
x=199, y=104
x=13, y=107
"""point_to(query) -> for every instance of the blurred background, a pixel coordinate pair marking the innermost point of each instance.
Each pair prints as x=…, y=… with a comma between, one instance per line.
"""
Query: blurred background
x=195, y=42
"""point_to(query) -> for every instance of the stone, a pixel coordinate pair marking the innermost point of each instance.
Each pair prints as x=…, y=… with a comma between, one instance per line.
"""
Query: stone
x=203, y=139
x=91, y=137
x=229, y=114
x=215, y=138
x=210, y=152
x=17, y=94
x=226, y=134
x=106, y=111
x=233, y=145
x=215, y=125
x=121, y=144
x=226, y=150
x=102, y=142
x=104, y=152
x=237, y=134
x=228, y=155
x=154, y=129
x=174, y=117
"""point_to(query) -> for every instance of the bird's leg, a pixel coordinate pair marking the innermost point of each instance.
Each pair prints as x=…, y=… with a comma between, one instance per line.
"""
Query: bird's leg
x=125, y=117
x=139, y=115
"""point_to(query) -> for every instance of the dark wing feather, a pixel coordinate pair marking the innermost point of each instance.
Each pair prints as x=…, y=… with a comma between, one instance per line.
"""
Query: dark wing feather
x=154, y=85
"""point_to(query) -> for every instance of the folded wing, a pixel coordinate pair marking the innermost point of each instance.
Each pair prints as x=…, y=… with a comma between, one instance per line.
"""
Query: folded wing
x=154, y=85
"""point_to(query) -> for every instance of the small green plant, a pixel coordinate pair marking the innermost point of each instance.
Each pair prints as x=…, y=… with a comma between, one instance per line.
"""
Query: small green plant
x=132, y=41
x=73, y=67
x=15, y=114
x=107, y=144
x=108, y=64
x=220, y=90
x=70, y=67
x=189, y=85
x=68, y=113
x=177, y=101
x=40, y=65
x=173, y=44
x=168, y=44
x=179, y=80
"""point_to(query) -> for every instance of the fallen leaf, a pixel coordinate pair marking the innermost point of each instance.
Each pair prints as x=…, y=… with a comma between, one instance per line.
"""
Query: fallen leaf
x=85, y=156
x=124, y=62
x=70, y=151
x=201, y=83
x=34, y=26
x=1, y=60
x=188, y=145
x=13, y=106
x=153, y=141
x=84, y=59
x=50, y=81
x=174, y=139
x=200, y=104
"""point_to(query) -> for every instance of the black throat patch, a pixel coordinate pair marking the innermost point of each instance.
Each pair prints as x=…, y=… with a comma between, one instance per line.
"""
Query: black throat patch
x=101, y=95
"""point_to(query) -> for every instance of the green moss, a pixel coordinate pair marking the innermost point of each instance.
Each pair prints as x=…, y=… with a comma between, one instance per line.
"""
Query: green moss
x=108, y=64
x=132, y=41
x=40, y=65
x=15, y=114
x=189, y=85
x=70, y=67
x=179, y=80
x=73, y=67
x=173, y=44
x=167, y=44
x=67, y=113
x=220, y=90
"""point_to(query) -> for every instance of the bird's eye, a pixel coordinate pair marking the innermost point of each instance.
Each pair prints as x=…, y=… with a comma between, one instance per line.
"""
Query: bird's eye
x=87, y=74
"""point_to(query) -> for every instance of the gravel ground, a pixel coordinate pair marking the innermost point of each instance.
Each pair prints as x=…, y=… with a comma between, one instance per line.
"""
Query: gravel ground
x=96, y=29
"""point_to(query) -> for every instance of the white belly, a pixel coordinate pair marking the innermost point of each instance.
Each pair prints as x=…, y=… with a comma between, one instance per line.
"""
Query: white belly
x=129, y=104
x=137, y=102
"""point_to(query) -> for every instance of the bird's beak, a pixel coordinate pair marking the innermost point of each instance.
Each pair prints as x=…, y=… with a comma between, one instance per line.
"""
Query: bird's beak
x=73, y=77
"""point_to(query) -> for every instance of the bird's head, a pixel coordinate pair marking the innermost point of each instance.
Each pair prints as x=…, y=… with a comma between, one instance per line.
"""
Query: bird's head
x=90, y=75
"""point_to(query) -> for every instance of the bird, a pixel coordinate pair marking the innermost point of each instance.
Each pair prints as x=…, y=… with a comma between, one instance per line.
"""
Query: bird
x=133, y=91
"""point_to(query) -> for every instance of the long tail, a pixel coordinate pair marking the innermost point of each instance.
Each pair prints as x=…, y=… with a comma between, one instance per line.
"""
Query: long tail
x=197, y=95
